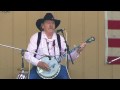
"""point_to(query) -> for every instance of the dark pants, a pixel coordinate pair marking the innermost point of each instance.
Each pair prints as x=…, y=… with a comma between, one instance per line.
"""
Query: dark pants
x=62, y=74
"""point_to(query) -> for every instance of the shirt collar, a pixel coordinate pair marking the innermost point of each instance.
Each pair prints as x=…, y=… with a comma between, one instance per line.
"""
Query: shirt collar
x=44, y=36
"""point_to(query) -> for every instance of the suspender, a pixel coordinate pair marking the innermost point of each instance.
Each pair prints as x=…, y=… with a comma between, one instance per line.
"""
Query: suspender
x=39, y=40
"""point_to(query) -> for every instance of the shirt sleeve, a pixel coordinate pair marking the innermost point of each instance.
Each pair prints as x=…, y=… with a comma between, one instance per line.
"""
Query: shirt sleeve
x=73, y=52
x=32, y=46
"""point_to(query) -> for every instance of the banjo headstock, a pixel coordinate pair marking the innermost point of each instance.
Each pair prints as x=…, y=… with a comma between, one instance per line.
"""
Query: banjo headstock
x=91, y=39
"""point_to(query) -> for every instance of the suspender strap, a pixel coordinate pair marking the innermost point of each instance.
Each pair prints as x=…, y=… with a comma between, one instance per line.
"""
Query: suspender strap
x=38, y=42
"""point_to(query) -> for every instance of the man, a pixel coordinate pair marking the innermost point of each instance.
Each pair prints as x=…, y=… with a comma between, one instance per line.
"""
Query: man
x=49, y=45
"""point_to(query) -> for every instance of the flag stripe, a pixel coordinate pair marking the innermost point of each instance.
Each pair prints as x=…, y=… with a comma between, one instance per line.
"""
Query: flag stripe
x=113, y=24
x=114, y=15
x=113, y=42
x=114, y=52
x=110, y=58
x=114, y=34
x=111, y=29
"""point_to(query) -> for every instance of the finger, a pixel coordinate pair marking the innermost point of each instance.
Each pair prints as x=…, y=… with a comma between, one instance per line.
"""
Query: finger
x=47, y=69
x=46, y=66
x=83, y=45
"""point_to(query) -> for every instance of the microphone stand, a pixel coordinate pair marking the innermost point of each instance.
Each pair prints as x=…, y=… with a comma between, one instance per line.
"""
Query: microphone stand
x=22, y=54
x=22, y=74
x=68, y=51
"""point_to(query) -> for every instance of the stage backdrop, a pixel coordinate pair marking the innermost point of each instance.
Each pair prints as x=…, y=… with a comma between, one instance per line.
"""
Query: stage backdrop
x=112, y=37
x=16, y=28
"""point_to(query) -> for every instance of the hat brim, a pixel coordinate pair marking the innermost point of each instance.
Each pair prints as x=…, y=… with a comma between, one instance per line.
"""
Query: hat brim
x=40, y=21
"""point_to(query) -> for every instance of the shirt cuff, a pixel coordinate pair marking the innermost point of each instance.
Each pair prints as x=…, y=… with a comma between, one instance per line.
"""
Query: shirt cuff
x=77, y=54
x=34, y=61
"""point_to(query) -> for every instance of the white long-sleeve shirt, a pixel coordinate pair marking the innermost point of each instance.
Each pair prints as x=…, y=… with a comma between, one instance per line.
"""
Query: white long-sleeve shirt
x=46, y=48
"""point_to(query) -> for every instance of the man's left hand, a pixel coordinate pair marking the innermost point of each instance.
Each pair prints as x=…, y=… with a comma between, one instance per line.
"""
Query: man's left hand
x=82, y=46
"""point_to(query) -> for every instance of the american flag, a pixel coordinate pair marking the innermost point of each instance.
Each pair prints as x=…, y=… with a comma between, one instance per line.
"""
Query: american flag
x=112, y=26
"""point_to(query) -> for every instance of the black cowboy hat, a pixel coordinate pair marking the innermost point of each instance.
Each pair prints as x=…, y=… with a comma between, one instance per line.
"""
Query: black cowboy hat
x=48, y=16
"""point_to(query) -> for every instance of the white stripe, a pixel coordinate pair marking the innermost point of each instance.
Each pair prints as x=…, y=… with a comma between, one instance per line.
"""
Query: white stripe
x=114, y=52
x=114, y=34
x=113, y=15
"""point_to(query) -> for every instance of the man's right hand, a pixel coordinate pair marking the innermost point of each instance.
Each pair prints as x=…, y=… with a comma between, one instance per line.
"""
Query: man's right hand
x=43, y=65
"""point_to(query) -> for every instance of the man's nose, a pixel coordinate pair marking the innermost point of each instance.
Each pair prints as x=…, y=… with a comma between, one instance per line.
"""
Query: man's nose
x=51, y=25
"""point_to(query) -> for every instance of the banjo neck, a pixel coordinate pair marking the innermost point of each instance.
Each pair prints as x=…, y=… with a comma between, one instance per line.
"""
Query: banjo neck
x=91, y=39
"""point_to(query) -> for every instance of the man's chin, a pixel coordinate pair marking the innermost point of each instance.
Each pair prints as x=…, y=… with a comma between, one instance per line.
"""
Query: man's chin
x=51, y=31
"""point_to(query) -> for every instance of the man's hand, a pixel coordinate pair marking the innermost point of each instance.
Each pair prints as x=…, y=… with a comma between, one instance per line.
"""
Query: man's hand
x=43, y=65
x=82, y=46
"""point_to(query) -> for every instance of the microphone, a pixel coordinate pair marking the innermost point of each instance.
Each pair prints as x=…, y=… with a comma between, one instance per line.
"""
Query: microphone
x=60, y=30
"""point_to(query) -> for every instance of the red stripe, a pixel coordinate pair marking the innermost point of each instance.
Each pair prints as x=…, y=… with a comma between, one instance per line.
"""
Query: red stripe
x=110, y=58
x=113, y=42
x=113, y=24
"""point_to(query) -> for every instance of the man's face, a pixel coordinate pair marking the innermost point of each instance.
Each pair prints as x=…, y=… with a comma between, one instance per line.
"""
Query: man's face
x=49, y=26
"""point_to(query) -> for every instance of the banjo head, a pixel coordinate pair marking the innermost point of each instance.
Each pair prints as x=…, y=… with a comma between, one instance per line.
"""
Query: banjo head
x=54, y=68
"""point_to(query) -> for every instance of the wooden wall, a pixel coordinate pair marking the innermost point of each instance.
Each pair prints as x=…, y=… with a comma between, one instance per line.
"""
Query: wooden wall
x=16, y=28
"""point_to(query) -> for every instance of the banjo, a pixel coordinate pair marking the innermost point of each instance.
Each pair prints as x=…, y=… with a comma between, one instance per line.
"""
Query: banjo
x=54, y=64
